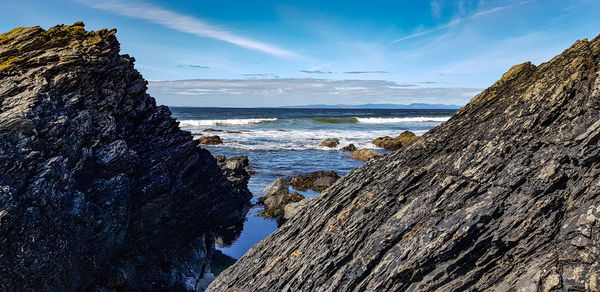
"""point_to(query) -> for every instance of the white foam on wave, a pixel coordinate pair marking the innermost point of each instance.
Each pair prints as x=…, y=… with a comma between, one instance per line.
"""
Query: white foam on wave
x=276, y=140
x=401, y=120
x=226, y=122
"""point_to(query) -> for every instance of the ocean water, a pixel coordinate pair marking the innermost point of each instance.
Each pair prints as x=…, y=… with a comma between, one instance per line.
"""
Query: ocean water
x=285, y=142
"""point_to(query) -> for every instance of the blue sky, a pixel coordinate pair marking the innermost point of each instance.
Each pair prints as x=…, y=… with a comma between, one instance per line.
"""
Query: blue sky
x=271, y=53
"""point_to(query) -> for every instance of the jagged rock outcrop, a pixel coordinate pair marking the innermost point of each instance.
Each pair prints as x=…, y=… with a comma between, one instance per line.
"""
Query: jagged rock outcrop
x=504, y=196
x=99, y=189
x=234, y=169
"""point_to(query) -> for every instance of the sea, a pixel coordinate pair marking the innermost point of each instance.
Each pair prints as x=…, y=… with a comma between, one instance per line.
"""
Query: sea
x=283, y=142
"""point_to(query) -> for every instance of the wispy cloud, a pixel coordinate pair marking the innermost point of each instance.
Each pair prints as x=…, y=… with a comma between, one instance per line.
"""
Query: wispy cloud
x=347, y=72
x=194, y=66
x=366, y=72
x=460, y=20
x=316, y=72
x=260, y=75
x=293, y=91
x=186, y=24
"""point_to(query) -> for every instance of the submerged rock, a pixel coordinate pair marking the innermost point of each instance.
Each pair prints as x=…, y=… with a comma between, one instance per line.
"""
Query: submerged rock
x=504, y=196
x=389, y=143
x=364, y=154
x=349, y=148
x=316, y=180
x=99, y=189
x=210, y=140
x=330, y=142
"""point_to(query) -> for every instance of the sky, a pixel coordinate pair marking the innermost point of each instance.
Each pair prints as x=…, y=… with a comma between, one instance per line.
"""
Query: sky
x=276, y=53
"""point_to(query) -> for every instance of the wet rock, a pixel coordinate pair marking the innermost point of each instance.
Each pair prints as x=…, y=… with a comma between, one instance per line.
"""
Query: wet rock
x=212, y=130
x=210, y=140
x=389, y=143
x=501, y=197
x=349, y=148
x=364, y=154
x=330, y=142
x=316, y=180
x=276, y=196
x=99, y=188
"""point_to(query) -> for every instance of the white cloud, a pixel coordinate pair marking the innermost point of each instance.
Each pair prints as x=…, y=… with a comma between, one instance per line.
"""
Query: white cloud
x=187, y=24
x=296, y=91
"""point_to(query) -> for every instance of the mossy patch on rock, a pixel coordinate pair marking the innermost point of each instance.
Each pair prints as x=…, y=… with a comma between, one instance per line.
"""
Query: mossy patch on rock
x=8, y=64
x=389, y=143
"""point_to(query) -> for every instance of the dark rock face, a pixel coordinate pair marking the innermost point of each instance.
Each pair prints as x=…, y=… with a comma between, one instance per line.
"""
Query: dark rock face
x=502, y=197
x=234, y=169
x=99, y=189
x=316, y=180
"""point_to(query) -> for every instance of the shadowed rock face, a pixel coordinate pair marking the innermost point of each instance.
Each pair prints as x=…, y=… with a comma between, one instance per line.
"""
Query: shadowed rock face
x=99, y=188
x=503, y=197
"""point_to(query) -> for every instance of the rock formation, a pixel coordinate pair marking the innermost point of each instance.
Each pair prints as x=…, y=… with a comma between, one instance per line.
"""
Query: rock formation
x=276, y=196
x=349, y=148
x=504, y=196
x=364, y=154
x=210, y=140
x=330, y=142
x=389, y=143
x=316, y=180
x=234, y=169
x=99, y=189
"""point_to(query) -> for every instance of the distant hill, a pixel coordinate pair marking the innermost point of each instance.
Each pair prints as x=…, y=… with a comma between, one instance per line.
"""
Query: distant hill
x=378, y=106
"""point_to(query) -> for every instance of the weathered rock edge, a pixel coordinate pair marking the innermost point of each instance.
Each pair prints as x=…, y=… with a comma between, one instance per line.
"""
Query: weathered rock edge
x=99, y=189
x=502, y=197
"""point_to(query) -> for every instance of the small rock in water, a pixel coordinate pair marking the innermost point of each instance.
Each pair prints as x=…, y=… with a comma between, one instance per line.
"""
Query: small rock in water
x=330, y=142
x=277, y=195
x=316, y=180
x=349, y=148
x=364, y=154
x=389, y=143
x=210, y=140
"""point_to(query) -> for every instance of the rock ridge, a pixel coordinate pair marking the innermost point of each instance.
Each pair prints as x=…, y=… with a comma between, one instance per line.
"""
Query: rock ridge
x=100, y=189
x=504, y=196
